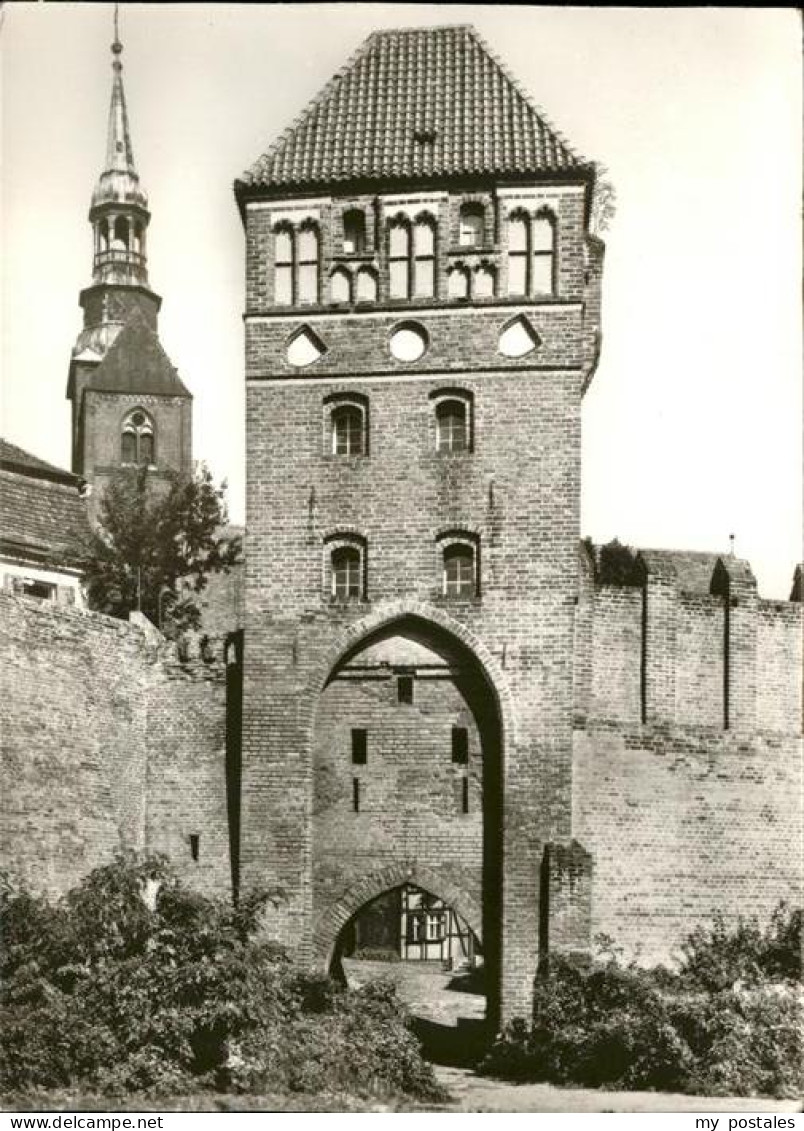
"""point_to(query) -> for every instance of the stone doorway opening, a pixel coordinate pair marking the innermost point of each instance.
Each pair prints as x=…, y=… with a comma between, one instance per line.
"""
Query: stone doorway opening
x=407, y=801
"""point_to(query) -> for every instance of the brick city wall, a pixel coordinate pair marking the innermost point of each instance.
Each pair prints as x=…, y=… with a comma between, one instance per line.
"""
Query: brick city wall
x=109, y=743
x=684, y=816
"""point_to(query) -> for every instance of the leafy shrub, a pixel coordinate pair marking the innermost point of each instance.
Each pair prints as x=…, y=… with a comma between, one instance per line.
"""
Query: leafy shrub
x=718, y=1025
x=717, y=957
x=133, y=983
x=376, y=954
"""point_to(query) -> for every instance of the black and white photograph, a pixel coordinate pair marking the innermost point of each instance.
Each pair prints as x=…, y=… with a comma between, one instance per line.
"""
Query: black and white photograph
x=401, y=578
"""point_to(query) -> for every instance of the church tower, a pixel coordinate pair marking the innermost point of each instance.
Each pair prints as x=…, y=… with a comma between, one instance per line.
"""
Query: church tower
x=130, y=408
x=422, y=321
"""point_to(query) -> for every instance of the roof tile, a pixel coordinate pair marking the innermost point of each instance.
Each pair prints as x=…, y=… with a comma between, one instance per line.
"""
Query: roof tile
x=400, y=83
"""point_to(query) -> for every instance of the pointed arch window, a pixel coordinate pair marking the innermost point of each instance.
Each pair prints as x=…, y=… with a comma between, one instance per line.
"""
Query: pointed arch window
x=137, y=446
x=485, y=281
x=543, y=234
x=340, y=286
x=307, y=264
x=120, y=242
x=399, y=258
x=458, y=283
x=366, y=285
x=471, y=225
x=518, y=254
x=354, y=231
x=424, y=239
x=283, y=266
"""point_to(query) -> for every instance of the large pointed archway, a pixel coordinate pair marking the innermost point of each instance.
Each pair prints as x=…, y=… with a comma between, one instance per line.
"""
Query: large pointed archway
x=407, y=785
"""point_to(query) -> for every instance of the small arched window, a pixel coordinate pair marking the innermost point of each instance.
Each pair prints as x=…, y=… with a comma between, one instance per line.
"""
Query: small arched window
x=354, y=231
x=307, y=265
x=366, y=285
x=518, y=254
x=137, y=439
x=458, y=282
x=340, y=286
x=485, y=280
x=544, y=239
x=283, y=267
x=346, y=563
x=348, y=431
x=471, y=225
x=459, y=575
x=452, y=425
x=424, y=257
x=104, y=235
x=399, y=259
x=120, y=234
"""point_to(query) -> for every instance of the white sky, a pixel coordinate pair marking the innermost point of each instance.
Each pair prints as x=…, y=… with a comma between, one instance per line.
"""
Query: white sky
x=692, y=427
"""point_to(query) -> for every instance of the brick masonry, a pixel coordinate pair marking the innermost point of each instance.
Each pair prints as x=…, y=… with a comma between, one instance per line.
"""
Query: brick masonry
x=109, y=742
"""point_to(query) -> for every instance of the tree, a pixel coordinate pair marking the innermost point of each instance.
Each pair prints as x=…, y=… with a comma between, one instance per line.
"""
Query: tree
x=153, y=549
x=604, y=202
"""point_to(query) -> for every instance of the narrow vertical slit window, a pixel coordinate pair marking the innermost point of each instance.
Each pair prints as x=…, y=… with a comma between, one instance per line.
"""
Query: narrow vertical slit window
x=404, y=689
x=359, y=746
x=465, y=795
x=195, y=840
x=424, y=258
x=460, y=746
x=356, y=794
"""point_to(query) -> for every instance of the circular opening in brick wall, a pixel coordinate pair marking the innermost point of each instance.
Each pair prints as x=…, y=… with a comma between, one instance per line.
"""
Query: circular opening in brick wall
x=408, y=341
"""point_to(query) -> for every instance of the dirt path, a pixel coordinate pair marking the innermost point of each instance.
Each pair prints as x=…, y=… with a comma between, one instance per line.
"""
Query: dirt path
x=477, y=1093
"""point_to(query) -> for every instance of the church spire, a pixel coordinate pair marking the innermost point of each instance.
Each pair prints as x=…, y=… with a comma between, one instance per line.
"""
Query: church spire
x=119, y=154
x=119, y=212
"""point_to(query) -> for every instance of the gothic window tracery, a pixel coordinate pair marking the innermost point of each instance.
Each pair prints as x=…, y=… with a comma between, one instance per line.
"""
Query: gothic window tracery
x=137, y=446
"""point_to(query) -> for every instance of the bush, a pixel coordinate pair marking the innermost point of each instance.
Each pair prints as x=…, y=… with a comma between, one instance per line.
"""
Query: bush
x=718, y=1025
x=376, y=954
x=133, y=983
x=718, y=957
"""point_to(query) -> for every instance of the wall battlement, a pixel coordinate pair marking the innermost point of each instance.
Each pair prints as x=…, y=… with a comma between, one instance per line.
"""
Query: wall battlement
x=685, y=641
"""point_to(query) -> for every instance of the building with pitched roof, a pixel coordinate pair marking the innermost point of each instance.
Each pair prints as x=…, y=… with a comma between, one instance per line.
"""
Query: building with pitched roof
x=430, y=725
x=43, y=518
x=436, y=698
x=129, y=405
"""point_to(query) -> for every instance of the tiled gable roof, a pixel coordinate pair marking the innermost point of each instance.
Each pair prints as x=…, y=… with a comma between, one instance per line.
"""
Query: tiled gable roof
x=416, y=102
x=42, y=514
x=17, y=459
x=136, y=363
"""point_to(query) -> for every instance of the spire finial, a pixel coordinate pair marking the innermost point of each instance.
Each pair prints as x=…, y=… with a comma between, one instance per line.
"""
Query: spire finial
x=117, y=46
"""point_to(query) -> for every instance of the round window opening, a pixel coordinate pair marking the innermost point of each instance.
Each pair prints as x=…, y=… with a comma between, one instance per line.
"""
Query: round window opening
x=408, y=342
x=138, y=418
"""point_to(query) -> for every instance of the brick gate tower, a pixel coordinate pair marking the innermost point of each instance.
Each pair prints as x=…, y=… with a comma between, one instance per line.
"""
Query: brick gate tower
x=130, y=408
x=422, y=319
